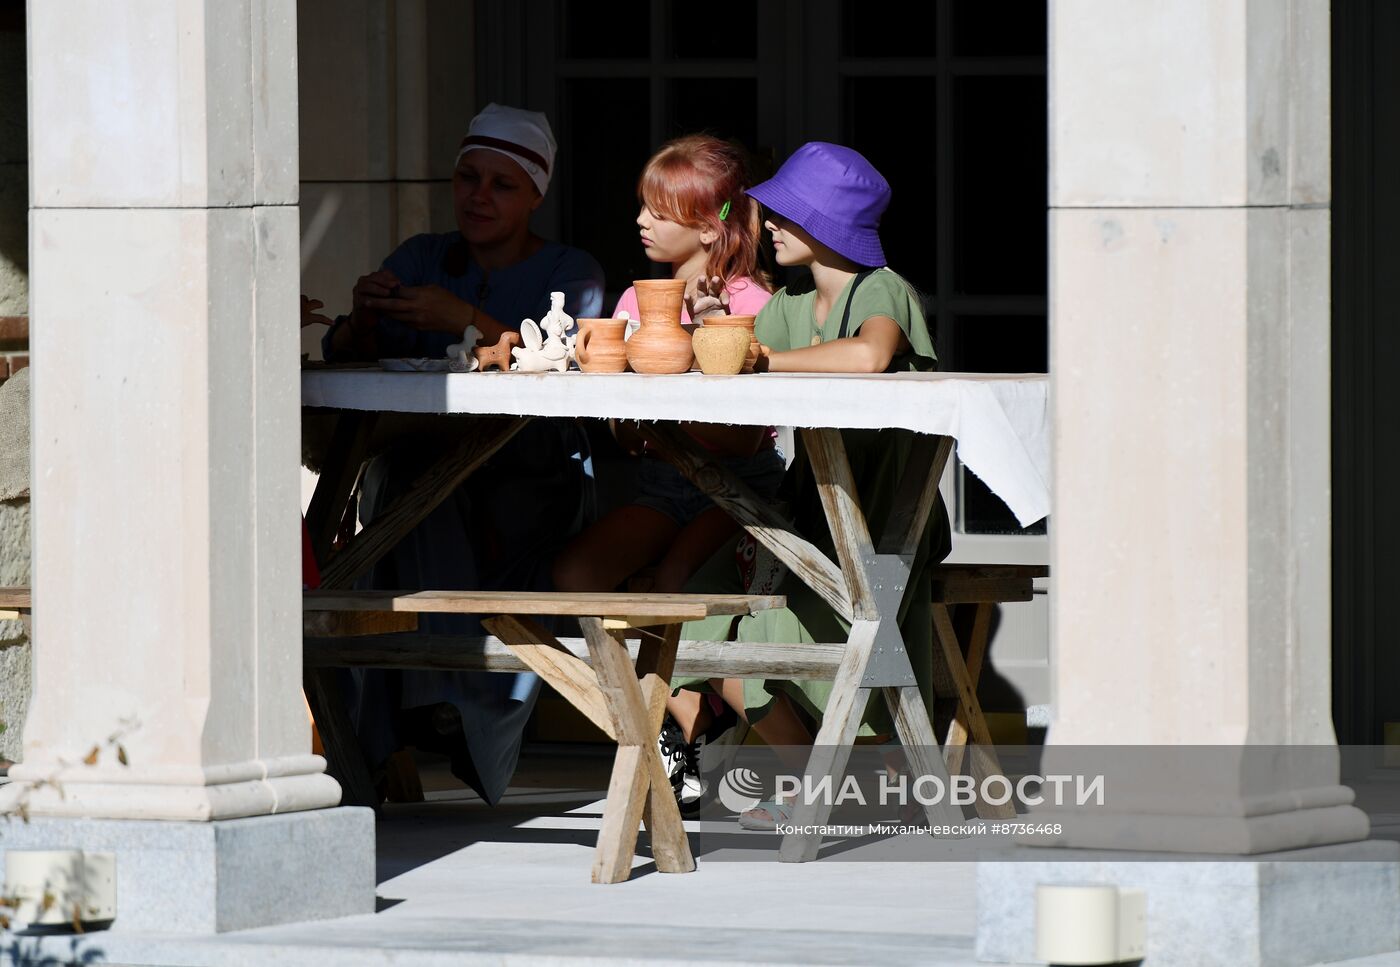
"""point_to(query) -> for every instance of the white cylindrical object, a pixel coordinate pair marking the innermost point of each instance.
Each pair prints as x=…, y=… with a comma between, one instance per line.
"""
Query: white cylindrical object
x=1076, y=924
x=56, y=887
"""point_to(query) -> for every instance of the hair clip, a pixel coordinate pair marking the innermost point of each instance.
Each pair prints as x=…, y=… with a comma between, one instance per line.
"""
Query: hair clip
x=724, y=210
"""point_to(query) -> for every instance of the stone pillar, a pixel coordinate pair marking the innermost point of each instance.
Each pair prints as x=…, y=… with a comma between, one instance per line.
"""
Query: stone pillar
x=1189, y=293
x=164, y=285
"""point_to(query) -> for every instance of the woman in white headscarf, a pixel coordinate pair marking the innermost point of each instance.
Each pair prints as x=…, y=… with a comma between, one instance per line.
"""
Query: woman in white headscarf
x=497, y=531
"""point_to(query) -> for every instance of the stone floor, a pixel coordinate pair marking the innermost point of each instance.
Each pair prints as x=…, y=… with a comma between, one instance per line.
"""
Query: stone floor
x=460, y=883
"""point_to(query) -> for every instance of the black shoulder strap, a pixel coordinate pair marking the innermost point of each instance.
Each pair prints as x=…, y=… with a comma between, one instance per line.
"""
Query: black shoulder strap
x=846, y=316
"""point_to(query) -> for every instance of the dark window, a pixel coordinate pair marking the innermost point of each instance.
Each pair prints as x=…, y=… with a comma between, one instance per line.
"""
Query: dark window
x=715, y=30
x=999, y=185
x=723, y=106
x=1000, y=28
x=903, y=29
x=621, y=29
x=876, y=106
x=605, y=158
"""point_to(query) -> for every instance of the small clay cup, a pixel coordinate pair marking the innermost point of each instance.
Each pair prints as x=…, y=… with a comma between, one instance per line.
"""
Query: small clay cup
x=738, y=322
x=601, y=345
x=721, y=350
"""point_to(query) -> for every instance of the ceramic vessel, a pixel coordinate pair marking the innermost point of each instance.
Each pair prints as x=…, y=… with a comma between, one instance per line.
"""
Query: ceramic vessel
x=600, y=347
x=660, y=345
x=738, y=322
x=497, y=356
x=721, y=350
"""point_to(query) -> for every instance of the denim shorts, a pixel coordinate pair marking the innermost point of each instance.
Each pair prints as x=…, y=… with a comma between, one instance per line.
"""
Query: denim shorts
x=665, y=489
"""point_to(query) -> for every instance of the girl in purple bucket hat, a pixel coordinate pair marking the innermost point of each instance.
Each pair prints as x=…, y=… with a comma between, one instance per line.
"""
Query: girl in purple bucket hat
x=824, y=207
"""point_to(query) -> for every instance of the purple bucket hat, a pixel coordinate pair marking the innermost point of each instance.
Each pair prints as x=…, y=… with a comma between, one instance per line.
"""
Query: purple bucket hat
x=833, y=193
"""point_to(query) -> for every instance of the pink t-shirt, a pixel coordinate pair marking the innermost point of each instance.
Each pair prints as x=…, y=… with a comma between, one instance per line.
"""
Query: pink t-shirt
x=746, y=297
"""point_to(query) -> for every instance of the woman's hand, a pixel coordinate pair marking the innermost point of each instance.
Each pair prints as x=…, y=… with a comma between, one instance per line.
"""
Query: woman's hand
x=427, y=308
x=309, y=315
x=706, y=297
x=376, y=285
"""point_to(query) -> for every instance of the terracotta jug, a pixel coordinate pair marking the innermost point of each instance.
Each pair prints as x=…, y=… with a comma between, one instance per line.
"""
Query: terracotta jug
x=738, y=322
x=660, y=345
x=601, y=347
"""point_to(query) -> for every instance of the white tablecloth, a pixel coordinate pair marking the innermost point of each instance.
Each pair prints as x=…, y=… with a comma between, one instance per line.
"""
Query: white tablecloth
x=1001, y=423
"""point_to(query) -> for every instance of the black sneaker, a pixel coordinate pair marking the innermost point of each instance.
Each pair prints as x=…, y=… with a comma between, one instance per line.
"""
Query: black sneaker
x=674, y=754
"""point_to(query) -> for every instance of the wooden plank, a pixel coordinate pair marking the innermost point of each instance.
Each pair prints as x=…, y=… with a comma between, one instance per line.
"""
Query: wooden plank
x=974, y=594
x=920, y=747
x=637, y=767
x=976, y=651
x=816, y=661
x=988, y=572
x=673, y=607
x=916, y=496
x=344, y=761
x=345, y=624
x=656, y=662
x=386, y=530
x=15, y=599
x=754, y=514
x=540, y=652
x=832, y=750
x=849, y=532
x=984, y=760
x=336, y=483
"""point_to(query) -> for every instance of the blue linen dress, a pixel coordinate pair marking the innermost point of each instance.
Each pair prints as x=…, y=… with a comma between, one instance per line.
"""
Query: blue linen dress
x=498, y=531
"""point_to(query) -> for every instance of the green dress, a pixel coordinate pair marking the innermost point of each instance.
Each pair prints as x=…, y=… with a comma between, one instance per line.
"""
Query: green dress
x=877, y=459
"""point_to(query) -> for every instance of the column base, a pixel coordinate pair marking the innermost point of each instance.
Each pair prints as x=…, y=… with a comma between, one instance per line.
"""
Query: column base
x=257, y=787
x=224, y=875
x=1290, y=909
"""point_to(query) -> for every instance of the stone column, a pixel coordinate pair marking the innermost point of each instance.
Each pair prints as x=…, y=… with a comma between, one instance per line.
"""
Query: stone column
x=164, y=286
x=1189, y=293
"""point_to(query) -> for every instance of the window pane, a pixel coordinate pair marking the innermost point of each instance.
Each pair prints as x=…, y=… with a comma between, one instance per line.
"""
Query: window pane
x=1008, y=28
x=983, y=512
x=999, y=179
x=1000, y=344
x=888, y=29
x=601, y=172
x=890, y=121
x=715, y=30
x=621, y=30
x=726, y=107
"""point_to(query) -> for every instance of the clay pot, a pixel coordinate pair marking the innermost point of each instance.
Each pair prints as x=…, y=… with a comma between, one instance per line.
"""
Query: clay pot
x=737, y=322
x=601, y=345
x=721, y=350
x=497, y=356
x=660, y=345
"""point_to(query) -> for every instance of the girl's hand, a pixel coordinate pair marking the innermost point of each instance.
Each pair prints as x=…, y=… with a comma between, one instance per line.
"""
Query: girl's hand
x=706, y=298
x=309, y=315
x=428, y=308
x=765, y=358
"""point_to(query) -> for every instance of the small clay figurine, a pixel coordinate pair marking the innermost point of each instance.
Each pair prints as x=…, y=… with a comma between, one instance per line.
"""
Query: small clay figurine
x=556, y=322
x=537, y=355
x=497, y=356
x=460, y=358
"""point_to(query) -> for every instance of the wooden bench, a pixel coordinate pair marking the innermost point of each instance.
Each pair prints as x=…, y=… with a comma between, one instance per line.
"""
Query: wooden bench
x=622, y=692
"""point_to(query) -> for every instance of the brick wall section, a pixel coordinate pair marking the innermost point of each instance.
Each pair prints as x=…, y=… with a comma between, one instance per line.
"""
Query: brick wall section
x=14, y=345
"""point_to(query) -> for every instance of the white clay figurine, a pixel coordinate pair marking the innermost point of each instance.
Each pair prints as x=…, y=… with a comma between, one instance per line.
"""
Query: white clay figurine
x=459, y=355
x=556, y=322
x=537, y=355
